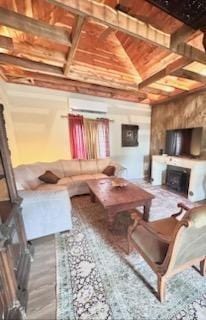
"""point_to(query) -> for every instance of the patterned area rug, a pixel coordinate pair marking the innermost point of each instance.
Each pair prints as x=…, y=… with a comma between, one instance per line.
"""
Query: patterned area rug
x=97, y=280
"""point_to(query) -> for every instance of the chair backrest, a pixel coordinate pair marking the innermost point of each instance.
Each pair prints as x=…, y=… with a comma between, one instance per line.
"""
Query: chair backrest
x=189, y=243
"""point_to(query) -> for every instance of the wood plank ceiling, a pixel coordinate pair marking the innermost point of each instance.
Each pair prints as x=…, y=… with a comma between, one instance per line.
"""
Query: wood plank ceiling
x=122, y=49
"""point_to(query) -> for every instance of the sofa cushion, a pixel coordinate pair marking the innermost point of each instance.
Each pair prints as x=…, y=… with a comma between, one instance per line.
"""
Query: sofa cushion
x=99, y=176
x=71, y=167
x=31, y=174
x=82, y=178
x=88, y=166
x=21, y=173
x=56, y=167
x=49, y=177
x=66, y=181
x=109, y=171
x=50, y=187
x=102, y=164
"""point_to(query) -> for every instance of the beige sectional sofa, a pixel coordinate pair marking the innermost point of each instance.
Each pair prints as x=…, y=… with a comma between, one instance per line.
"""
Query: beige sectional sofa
x=47, y=207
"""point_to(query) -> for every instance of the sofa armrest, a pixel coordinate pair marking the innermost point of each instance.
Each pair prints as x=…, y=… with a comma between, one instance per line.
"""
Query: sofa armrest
x=30, y=196
x=45, y=212
x=120, y=171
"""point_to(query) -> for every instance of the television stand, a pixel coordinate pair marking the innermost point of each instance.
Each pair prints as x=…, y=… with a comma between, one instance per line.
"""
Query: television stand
x=197, y=180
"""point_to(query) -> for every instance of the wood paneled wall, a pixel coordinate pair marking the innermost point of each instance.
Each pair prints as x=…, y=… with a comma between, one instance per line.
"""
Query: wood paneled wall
x=183, y=113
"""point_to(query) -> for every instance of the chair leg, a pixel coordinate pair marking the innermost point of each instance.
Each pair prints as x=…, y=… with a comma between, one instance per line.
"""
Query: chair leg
x=203, y=267
x=130, y=245
x=161, y=288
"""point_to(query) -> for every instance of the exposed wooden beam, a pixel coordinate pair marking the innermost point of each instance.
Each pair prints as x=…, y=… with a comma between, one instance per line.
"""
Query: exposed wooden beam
x=6, y=43
x=39, y=28
x=134, y=27
x=75, y=86
x=75, y=37
x=181, y=35
x=190, y=52
x=28, y=8
x=156, y=91
x=3, y=76
x=29, y=65
x=178, y=64
x=115, y=19
x=180, y=96
x=187, y=74
x=21, y=49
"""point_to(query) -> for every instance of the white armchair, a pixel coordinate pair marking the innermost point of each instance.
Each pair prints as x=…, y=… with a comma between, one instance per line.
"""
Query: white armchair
x=45, y=212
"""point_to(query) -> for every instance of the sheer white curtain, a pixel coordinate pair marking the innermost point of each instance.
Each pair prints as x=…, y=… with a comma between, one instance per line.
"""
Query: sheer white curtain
x=103, y=138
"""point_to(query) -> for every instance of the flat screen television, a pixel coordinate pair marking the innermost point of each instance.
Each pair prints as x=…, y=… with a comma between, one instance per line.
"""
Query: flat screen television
x=184, y=142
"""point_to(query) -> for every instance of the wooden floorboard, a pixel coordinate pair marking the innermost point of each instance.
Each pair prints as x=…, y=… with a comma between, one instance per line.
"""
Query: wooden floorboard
x=42, y=281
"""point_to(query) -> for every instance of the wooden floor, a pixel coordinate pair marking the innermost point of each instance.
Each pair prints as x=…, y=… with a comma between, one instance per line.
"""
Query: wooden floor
x=42, y=282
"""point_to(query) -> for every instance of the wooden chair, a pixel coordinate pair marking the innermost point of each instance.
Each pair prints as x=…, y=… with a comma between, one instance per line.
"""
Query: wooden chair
x=171, y=245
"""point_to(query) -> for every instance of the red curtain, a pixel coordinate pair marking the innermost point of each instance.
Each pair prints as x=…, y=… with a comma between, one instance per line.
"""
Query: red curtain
x=79, y=132
x=77, y=138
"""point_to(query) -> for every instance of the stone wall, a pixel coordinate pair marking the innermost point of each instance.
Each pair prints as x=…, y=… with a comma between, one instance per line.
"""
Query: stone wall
x=183, y=113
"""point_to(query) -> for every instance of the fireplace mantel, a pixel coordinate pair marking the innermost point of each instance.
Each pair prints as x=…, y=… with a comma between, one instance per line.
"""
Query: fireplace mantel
x=197, y=183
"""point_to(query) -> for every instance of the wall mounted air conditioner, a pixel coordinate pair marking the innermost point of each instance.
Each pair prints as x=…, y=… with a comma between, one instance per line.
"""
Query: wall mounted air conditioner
x=87, y=106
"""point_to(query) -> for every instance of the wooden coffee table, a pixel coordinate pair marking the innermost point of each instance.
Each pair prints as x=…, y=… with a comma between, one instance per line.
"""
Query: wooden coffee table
x=116, y=199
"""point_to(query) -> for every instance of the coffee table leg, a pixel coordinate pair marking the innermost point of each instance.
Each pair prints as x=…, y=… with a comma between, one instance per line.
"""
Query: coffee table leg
x=147, y=206
x=110, y=220
x=92, y=196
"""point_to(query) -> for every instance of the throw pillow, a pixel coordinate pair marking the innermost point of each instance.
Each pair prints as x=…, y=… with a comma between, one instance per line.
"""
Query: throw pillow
x=49, y=177
x=109, y=171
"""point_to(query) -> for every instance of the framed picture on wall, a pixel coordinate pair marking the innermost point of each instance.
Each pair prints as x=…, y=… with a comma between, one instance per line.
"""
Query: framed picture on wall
x=129, y=135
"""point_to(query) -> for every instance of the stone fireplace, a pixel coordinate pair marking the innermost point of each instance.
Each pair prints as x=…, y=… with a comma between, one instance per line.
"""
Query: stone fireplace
x=178, y=178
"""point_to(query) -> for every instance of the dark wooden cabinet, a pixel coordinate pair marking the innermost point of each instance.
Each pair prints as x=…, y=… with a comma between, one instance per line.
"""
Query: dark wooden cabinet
x=15, y=252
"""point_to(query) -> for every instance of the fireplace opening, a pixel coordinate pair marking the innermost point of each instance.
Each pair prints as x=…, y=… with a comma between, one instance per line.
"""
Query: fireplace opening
x=178, y=178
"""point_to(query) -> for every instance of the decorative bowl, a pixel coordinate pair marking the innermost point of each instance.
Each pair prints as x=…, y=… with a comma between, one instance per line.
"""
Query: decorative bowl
x=119, y=183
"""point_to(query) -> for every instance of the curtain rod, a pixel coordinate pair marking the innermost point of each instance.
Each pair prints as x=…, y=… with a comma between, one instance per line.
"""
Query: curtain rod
x=66, y=117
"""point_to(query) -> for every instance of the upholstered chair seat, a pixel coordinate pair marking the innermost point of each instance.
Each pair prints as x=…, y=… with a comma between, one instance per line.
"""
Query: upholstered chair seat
x=154, y=248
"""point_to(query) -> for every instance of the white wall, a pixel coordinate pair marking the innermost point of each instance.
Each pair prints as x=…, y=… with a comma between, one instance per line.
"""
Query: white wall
x=37, y=132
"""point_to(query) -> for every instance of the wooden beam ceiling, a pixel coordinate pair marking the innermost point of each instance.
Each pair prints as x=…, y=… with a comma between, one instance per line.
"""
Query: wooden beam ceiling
x=128, y=25
x=26, y=64
x=22, y=49
x=6, y=43
x=115, y=19
x=56, y=65
x=181, y=95
x=176, y=65
x=75, y=37
x=39, y=28
x=187, y=74
x=50, y=81
x=181, y=35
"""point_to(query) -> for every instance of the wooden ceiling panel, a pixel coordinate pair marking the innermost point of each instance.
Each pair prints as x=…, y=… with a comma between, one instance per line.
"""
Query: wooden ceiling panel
x=196, y=67
x=179, y=83
x=100, y=52
x=147, y=58
x=109, y=55
x=99, y=75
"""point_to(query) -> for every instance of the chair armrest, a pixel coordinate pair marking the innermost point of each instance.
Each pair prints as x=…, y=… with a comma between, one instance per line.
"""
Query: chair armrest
x=156, y=234
x=182, y=207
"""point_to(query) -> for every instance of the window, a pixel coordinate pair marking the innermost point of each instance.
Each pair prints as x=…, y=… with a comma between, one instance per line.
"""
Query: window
x=89, y=138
